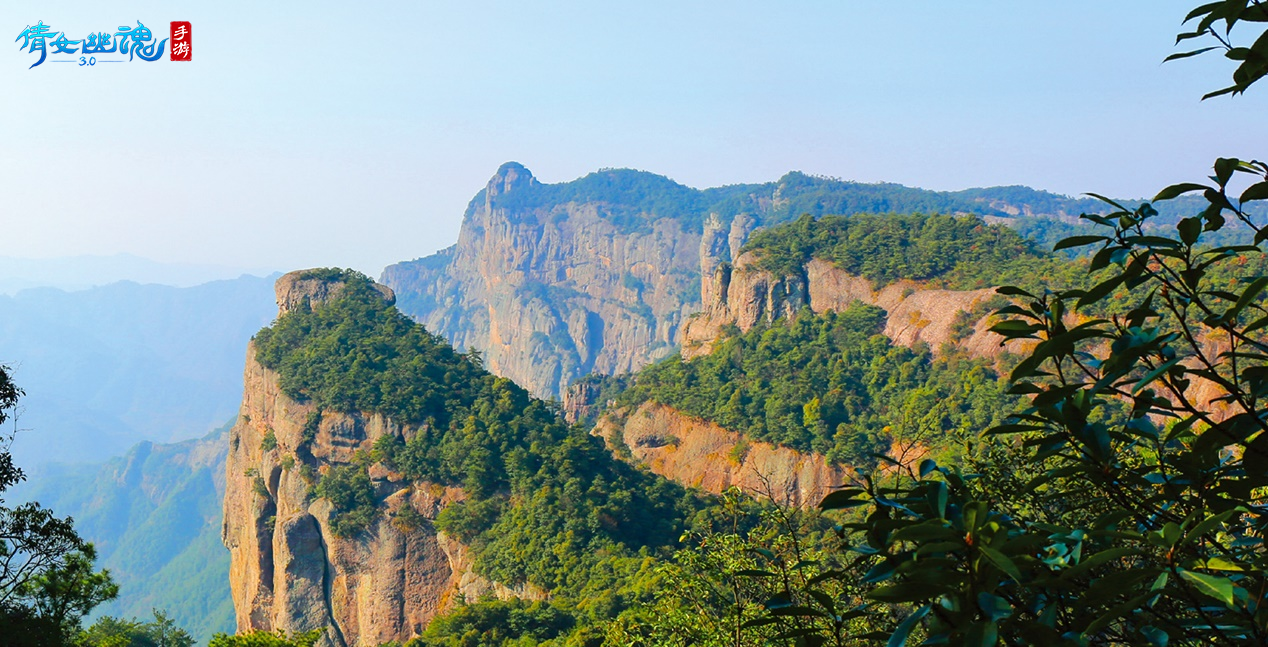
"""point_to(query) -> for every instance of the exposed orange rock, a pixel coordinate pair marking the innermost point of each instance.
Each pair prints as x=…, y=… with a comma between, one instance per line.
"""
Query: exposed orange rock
x=745, y=294
x=702, y=454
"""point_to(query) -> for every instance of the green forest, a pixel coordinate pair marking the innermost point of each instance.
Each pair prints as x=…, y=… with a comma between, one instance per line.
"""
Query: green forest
x=832, y=384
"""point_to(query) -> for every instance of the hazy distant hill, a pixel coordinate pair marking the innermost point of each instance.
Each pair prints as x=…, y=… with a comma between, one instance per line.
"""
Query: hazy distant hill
x=81, y=272
x=108, y=367
x=154, y=515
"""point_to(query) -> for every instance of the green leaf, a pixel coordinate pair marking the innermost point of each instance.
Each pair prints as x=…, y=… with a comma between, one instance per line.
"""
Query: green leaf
x=1001, y=430
x=1155, y=636
x=1190, y=229
x=1078, y=241
x=1001, y=561
x=1247, y=296
x=899, y=637
x=1015, y=328
x=1220, y=92
x=797, y=611
x=1220, y=588
x=1221, y=564
x=1154, y=374
x=1224, y=168
x=1011, y=291
x=1101, y=290
x=1181, y=55
x=994, y=607
x=1176, y=190
x=1209, y=524
x=927, y=465
x=1256, y=191
x=932, y=529
x=749, y=572
x=907, y=592
x=843, y=499
x=1108, y=201
x=981, y=634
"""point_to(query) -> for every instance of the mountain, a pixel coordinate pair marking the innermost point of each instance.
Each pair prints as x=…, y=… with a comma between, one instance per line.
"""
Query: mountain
x=382, y=486
x=107, y=367
x=82, y=272
x=828, y=342
x=377, y=479
x=551, y=282
x=154, y=515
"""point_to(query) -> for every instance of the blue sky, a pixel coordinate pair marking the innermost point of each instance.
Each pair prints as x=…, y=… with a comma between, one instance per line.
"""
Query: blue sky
x=354, y=134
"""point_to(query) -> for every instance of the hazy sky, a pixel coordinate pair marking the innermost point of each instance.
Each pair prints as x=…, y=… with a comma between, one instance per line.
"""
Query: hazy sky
x=354, y=134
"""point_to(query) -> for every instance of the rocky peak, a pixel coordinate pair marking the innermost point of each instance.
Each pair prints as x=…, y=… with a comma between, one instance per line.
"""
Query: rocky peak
x=510, y=176
x=316, y=286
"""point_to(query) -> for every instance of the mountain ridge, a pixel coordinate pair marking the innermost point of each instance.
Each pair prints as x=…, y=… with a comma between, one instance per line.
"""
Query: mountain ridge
x=551, y=282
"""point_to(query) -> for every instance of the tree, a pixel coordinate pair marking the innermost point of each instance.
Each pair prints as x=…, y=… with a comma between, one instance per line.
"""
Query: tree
x=46, y=579
x=116, y=632
x=1125, y=504
x=1252, y=60
x=266, y=639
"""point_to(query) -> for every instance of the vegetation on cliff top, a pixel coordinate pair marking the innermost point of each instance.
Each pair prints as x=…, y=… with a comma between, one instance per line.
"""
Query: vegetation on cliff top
x=953, y=252
x=546, y=503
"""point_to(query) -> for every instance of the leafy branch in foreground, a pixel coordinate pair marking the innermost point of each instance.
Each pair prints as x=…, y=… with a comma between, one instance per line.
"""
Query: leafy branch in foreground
x=1252, y=60
x=1143, y=519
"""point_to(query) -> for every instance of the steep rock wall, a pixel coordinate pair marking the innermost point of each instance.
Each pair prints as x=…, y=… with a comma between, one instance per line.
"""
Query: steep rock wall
x=701, y=454
x=745, y=294
x=288, y=569
x=551, y=293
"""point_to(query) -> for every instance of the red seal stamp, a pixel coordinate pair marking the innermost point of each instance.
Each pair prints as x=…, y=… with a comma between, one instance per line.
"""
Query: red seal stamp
x=182, y=41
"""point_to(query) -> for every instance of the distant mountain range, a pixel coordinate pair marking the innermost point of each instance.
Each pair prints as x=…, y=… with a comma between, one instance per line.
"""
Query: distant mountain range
x=154, y=516
x=81, y=272
x=107, y=367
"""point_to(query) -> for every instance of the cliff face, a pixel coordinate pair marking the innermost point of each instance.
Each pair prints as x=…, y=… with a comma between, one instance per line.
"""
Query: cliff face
x=702, y=454
x=551, y=292
x=288, y=569
x=744, y=295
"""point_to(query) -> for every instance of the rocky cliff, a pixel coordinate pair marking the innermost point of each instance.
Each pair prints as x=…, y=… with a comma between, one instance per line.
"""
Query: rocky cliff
x=701, y=454
x=550, y=291
x=599, y=275
x=288, y=569
x=744, y=294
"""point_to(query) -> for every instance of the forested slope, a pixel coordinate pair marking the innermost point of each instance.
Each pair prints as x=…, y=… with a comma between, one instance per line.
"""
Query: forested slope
x=154, y=517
